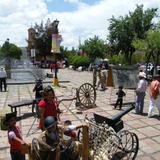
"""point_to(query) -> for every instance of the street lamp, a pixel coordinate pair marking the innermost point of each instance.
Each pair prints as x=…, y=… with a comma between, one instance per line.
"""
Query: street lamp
x=55, y=49
x=33, y=55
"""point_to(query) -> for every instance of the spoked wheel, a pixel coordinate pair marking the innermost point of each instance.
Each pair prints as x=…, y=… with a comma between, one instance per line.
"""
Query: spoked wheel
x=86, y=95
x=129, y=145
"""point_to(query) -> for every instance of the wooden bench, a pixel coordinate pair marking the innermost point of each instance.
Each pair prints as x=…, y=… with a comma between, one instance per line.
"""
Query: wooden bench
x=20, y=104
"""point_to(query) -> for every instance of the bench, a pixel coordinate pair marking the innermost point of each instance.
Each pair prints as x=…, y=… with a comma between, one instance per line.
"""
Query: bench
x=20, y=104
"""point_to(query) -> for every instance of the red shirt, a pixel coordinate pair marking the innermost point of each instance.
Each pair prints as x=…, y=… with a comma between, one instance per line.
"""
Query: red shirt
x=50, y=109
x=12, y=132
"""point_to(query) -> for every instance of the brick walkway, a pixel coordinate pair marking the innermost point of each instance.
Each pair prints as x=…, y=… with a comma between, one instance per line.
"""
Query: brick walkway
x=147, y=129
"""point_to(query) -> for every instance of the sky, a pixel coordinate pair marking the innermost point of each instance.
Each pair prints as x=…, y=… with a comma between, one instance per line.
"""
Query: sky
x=78, y=19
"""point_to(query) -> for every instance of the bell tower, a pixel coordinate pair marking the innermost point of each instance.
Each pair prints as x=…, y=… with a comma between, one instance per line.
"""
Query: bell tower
x=31, y=39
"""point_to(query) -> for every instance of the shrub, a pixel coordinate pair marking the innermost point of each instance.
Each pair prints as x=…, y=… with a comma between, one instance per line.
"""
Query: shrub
x=77, y=61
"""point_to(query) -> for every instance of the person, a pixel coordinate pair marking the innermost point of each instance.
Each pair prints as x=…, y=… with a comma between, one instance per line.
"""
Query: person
x=154, y=95
x=94, y=75
x=71, y=130
x=49, y=140
x=70, y=146
x=14, y=137
x=52, y=66
x=54, y=145
x=102, y=78
x=120, y=94
x=38, y=88
x=48, y=106
x=3, y=77
x=140, y=92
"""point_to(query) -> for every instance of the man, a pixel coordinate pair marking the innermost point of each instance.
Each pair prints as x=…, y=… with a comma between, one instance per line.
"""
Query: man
x=3, y=77
x=94, y=75
x=154, y=94
x=140, y=92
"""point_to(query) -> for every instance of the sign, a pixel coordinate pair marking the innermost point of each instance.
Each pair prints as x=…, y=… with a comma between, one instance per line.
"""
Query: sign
x=56, y=40
x=127, y=77
x=33, y=52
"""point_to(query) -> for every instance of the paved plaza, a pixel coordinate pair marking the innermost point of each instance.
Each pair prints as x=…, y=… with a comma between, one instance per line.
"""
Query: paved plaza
x=147, y=129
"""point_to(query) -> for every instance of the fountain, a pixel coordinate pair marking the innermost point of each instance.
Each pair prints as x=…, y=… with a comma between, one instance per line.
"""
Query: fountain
x=22, y=70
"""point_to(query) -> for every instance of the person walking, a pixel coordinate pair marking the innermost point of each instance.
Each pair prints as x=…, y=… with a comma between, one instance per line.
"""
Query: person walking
x=3, y=77
x=140, y=93
x=154, y=95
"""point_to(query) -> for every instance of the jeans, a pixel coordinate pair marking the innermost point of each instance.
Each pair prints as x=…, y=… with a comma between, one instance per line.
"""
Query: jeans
x=140, y=102
x=3, y=82
x=17, y=155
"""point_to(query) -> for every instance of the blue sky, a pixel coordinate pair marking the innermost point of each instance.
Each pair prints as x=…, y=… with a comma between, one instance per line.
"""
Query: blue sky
x=79, y=19
x=65, y=6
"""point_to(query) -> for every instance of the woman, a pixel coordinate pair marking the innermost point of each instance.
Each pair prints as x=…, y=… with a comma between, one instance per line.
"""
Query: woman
x=47, y=106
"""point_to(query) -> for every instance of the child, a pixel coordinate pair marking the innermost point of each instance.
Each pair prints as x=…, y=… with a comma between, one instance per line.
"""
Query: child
x=120, y=95
x=38, y=88
x=14, y=137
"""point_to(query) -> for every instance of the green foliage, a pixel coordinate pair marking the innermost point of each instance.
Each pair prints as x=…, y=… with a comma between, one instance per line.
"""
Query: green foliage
x=43, y=37
x=77, y=60
x=10, y=50
x=123, y=30
x=150, y=45
x=138, y=57
x=94, y=48
x=117, y=59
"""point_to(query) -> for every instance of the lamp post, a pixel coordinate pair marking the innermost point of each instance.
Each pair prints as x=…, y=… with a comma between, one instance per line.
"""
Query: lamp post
x=55, y=49
x=33, y=55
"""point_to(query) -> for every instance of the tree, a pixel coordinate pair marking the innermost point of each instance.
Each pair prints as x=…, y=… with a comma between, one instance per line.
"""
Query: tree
x=10, y=50
x=43, y=39
x=123, y=30
x=150, y=45
x=94, y=48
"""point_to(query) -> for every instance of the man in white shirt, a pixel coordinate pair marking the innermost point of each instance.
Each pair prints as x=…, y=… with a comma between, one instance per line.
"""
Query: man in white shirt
x=3, y=77
x=140, y=92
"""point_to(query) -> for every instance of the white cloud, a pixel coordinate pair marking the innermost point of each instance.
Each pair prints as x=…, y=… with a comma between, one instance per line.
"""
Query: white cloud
x=16, y=16
x=72, y=1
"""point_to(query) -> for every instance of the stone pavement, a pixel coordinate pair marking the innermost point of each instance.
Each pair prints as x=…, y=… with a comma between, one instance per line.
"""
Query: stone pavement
x=147, y=129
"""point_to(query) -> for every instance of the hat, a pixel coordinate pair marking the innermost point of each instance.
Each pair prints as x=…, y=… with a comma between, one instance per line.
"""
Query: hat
x=142, y=74
x=9, y=116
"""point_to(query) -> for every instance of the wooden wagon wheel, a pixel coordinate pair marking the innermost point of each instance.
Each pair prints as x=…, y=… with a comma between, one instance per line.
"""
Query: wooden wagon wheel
x=86, y=95
x=129, y=145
